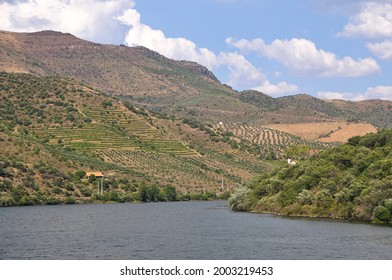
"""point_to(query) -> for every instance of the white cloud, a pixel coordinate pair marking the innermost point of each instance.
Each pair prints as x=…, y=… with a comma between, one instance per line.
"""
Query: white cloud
x=278, y=89
x=374, y=20
x=175, y=48
x=333, y=95
x=382, y=50
x=346, y=7
x=242, y=73
x=303, y=57
x=88, y=19
x=378, y=92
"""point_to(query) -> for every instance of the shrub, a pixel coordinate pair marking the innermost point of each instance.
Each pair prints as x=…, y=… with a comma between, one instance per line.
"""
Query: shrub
x=80, y=174
x=154, y=193
x=57, y=190
x=305, y=197
x=7, y=202
x=86, y=192
x=170, y=193
x=323, y=198
x=240, y=199
x=70, y=200
x=142, y=192
x=388, y=204
x=92, y=178
x=382, y=214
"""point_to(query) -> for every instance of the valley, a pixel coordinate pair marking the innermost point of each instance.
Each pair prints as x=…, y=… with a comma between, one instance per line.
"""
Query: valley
x=149, y=123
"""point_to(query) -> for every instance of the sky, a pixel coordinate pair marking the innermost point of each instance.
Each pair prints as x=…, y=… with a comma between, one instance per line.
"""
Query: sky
x=330, y=49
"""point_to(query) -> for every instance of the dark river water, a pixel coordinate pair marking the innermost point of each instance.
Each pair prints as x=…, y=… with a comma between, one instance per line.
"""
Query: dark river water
x=182, y=230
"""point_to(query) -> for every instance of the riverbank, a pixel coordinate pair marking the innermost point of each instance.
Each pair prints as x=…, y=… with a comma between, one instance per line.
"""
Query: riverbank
x=331, y=216
x=350, y=182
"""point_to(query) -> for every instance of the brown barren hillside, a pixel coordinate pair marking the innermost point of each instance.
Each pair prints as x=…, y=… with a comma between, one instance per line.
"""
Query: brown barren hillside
x=338, y=132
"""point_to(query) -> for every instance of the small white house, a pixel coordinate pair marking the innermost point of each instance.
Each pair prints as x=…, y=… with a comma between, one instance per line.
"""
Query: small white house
x=291, y=162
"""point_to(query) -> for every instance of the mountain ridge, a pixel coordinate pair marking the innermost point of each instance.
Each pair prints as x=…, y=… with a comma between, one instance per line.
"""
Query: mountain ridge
x=178, y=88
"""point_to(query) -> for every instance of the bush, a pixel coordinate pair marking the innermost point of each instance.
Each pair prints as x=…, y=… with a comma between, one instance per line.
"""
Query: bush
x=388, y=204
x=240, y=199
x=382, y=214
x=106, y=104
x=25, y=201
x=70, y=200
x=7, y=202
x=154, y=193
x=57, y=190
x=80, y=174
x=305, y=197
x=92, y=178
x=323, y=198
x=170, y=193
x=86, y=192
x=142, y=192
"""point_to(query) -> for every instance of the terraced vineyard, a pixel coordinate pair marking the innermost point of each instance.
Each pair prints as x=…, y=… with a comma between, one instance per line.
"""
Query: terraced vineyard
x=137, y=129
x=91, y=137
x=113, y=127
x=83, y=126
x=269, y=139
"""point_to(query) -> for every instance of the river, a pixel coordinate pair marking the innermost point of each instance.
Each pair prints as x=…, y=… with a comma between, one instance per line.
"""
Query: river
x=181, y=230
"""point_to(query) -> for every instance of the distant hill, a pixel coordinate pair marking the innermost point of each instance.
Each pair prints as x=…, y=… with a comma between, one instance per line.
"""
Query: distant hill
x=179, y=88
x=377, y=112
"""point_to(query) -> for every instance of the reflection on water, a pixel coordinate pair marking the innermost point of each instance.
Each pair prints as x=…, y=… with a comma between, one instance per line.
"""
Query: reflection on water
x=183, y=230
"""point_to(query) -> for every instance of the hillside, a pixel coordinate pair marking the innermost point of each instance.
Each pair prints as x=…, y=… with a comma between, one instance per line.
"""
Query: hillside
x=377, y=112
x=136, y=74
x=178, y=88
x=352, y=181
x=52, y=128
x=328, y=132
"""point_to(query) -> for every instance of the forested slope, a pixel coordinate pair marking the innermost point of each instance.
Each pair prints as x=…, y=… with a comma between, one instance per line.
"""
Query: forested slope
x=351, y=181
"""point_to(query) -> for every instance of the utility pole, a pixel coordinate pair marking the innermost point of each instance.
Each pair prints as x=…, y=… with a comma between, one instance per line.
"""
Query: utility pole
x=222, y=184
x=100, y=185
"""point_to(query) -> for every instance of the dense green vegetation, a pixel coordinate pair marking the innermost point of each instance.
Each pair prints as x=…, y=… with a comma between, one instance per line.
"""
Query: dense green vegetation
x=42, y=184
x=352, y=181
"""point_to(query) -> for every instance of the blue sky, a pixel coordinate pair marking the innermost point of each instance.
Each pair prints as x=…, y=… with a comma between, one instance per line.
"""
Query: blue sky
x=326, y=48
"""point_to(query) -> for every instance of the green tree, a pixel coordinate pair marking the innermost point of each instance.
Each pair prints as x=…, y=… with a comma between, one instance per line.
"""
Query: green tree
x=170, y=193
x=297, y=151
x=382, y=214
x=324, y=198
x=142, y=192
x=154, y=193
x=388, y=204
x=80, y=174
x=92, y=178
x=240, y=199
x=305, y=197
